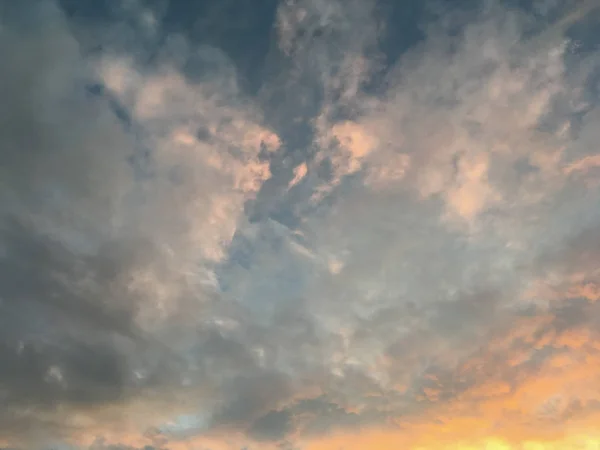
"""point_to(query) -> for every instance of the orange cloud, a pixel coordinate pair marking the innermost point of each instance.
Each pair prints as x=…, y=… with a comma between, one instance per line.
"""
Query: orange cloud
x=584, y=164
x=550, y=404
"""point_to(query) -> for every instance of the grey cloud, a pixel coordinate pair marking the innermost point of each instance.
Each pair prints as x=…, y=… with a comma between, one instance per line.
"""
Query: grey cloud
x=101, y=444
x=68, y=331
x=385, y=263
x=73, y=243
x=312, y=69
x=74, y=145
x=317, y=312
x=310, y=417
x=275, y=425
x=579, y=251
x=64, y=164
x=41, y=271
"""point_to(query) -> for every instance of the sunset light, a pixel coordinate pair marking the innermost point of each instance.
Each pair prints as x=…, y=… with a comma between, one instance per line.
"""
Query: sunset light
x=299, y=224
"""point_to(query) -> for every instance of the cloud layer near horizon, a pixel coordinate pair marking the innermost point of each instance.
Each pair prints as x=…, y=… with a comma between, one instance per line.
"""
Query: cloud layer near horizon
x=361, y=250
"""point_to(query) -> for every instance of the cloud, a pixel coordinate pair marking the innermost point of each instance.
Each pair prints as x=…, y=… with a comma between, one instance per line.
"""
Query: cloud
x=360, y=253
x=102, y=250
x=64, y=174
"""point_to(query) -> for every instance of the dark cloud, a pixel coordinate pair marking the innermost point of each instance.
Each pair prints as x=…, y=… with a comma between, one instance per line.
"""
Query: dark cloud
x=58, y=149
x=101, y=444
x=67, y=312
x=253, y=396
x=273, y=426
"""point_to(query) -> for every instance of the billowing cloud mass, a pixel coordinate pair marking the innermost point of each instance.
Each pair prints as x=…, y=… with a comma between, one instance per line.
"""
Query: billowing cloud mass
x=299, y=224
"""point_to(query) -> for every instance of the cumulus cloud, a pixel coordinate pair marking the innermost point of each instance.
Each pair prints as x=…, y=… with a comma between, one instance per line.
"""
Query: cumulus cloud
x=363, y=252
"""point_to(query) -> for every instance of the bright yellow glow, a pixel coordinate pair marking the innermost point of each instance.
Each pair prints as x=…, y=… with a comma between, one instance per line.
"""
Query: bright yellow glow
x=395, y=442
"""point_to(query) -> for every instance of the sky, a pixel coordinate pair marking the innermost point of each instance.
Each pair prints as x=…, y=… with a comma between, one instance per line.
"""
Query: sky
x=300, y=225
